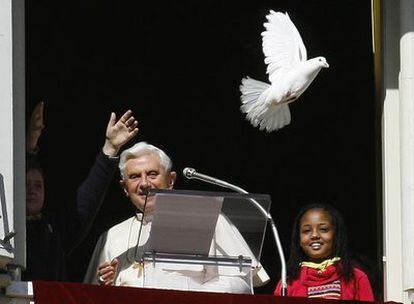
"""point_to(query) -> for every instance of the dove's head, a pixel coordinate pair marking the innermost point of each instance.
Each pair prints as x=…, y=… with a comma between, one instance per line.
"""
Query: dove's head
x=321, y=61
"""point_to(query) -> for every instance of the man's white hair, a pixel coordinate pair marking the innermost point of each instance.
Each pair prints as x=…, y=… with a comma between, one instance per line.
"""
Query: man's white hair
x=140, y=149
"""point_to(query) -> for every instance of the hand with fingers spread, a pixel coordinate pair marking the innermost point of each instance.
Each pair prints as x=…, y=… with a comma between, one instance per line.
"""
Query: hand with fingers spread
x=118, y=133
x=35, y=127
x=106, y=272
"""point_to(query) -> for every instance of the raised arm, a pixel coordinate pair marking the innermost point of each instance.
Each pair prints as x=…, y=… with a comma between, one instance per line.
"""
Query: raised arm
x=35, y=128
x=92, y=192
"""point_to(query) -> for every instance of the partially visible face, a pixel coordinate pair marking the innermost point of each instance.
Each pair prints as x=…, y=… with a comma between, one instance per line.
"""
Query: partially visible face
x=144, y=173
x=317, y=235
x=35, y=192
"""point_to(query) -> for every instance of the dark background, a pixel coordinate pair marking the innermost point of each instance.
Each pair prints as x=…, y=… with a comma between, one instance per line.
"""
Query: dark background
x=178, y=66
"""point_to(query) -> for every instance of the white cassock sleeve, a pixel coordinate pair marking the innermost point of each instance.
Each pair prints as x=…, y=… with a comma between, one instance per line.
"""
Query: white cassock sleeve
x=99, y=256
x=229, y=242
x=119, y=242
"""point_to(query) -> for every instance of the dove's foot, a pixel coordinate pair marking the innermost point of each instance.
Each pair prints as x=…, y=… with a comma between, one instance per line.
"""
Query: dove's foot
x=290, y=99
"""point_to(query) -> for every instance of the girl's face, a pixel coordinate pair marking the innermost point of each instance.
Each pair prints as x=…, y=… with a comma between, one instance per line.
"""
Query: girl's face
x=316, y=235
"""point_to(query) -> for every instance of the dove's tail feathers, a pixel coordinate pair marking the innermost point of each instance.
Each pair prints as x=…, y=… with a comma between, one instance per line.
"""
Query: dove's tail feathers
x=269, y=117
x=253, y=97
x=250, y=85
x=275, y=118
x=252, y=93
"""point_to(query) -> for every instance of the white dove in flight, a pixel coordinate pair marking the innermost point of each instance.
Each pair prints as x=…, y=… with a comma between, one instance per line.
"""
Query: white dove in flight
x=290, y=74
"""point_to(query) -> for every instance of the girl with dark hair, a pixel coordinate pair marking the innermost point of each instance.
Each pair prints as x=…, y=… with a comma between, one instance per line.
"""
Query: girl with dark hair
x=319, y=265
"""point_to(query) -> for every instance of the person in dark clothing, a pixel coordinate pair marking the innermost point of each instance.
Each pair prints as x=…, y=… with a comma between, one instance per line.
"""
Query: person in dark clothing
x=51, y=236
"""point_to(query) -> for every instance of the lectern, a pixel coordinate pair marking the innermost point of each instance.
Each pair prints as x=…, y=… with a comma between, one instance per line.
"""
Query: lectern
x=204, y=241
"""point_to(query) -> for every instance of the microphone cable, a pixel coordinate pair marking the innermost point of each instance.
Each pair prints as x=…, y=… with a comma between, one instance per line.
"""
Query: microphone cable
x=139, y=234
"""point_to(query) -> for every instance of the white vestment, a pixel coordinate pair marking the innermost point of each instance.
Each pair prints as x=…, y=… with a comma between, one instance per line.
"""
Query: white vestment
x=120, y=242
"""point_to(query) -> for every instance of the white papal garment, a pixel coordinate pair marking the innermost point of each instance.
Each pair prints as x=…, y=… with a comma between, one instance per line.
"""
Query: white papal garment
x=120, y=242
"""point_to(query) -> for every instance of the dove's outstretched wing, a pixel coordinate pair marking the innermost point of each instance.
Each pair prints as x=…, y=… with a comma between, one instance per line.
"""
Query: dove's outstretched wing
x=282, y=45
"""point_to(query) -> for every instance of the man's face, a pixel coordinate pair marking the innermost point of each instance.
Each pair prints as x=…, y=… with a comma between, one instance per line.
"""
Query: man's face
x=144, y=173
x=317, y=235
x=35, y=192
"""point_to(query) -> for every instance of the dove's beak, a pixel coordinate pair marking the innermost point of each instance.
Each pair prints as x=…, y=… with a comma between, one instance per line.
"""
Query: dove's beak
x=326, y=65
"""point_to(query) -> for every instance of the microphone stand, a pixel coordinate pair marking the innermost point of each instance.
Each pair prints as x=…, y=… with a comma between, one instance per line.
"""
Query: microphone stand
x=266, y=214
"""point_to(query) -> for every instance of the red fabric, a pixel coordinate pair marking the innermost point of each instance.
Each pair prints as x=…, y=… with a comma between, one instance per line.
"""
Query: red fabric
x=358, y=288
x=76, y=293
x=71, y=293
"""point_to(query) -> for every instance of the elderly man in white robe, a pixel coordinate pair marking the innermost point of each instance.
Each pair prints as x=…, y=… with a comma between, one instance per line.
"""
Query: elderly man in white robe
x=116, y=258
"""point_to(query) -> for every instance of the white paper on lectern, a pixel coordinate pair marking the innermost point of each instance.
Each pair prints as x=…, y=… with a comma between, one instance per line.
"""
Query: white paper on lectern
x=184, y=224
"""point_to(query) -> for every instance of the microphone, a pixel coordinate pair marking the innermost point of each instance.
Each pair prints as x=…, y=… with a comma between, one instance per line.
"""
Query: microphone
x=191, y=173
